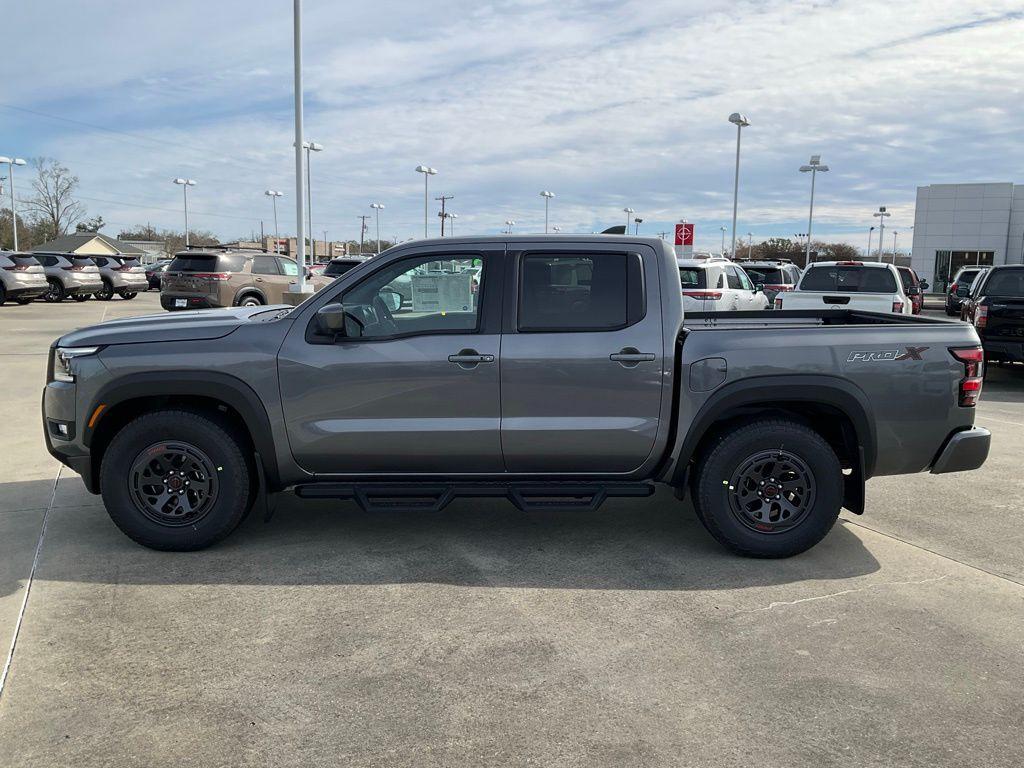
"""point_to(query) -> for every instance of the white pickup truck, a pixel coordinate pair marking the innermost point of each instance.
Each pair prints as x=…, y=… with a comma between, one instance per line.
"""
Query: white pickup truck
x=862, y=285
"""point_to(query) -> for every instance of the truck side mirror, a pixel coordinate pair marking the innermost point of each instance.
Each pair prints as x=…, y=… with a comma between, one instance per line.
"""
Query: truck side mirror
x=759, y=288
x=330, y=320
x=924, y=285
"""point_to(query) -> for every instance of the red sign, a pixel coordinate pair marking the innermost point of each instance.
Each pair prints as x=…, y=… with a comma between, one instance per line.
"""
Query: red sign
x=684, y=234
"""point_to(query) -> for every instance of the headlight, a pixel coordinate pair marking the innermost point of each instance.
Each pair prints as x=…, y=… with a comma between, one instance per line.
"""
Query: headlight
x=62, y=358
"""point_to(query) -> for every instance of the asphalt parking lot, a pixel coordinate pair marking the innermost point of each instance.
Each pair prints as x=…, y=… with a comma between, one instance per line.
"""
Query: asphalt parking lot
x=485, y=636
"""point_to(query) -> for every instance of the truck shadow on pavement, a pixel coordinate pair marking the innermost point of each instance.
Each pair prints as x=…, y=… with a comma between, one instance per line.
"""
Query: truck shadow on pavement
x=649, y=544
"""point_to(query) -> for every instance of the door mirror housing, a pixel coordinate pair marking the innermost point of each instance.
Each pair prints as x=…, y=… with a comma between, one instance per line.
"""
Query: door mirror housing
x=330, y=320
x=924, y=285
x=759, y=288
x=392, y=299
x=913, y=291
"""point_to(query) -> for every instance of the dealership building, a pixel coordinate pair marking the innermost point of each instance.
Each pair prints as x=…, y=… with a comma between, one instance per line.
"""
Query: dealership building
x=960, y=224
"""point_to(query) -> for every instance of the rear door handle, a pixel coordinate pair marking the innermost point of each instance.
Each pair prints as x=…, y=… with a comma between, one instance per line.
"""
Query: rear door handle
x=630, y=357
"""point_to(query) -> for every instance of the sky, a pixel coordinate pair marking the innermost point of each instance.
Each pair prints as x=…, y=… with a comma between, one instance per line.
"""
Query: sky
x=607, y=104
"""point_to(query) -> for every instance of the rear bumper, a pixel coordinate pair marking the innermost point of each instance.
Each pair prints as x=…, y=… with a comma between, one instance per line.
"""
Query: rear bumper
x=170, y=302
x=79, y=289
x=25, y=291
x=1011, y=351
x=963, y=451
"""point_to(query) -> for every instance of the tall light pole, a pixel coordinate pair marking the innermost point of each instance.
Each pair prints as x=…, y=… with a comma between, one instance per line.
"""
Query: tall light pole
x=310, y=146
x=814, y=168
x=547, y=198
x=185, y=184
x=750, y=245
x=427, y=172
x=300, y=198
x=11, y=162
x=740, y=122
x=509, y=223
x=894, y=233
x=638, y=221
x=556, y=229
x=362, y=231
x=723, y=240
x=871, y=232
x=452, y=217
x=273, y=194
x=629, y=213
x=378, y=207
x=882, y=215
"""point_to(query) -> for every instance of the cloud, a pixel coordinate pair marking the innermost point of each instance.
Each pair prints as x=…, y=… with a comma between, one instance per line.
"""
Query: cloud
x=607, y=104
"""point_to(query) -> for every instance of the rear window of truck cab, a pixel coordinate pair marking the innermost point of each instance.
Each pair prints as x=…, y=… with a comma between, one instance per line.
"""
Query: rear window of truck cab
x=1005, y=282
x=848, y=279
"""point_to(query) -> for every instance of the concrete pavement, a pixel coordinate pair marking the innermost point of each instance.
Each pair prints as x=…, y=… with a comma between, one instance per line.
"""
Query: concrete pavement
x=484, y=636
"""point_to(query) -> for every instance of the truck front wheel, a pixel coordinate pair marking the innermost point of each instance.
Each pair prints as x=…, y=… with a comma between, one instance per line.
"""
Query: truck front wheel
x=771, y=488
x=175, y=480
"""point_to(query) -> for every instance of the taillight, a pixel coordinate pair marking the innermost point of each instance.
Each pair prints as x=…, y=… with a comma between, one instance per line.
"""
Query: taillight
x=973, y=359
x=212, y=275
x=897, y=306
x=714, y=295
x=980, y=316
x=15, y=268
x=778, y=302
x=952, y=288
x=778, y=287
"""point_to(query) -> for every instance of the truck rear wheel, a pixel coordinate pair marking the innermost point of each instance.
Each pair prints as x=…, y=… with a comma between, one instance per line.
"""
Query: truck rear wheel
x=175, y=480
x=771, y=488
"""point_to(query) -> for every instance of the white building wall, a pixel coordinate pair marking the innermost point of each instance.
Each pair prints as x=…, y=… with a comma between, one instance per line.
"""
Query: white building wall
x=967, y=217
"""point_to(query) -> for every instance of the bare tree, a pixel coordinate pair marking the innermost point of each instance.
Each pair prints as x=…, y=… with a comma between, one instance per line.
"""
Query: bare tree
x=54, y=202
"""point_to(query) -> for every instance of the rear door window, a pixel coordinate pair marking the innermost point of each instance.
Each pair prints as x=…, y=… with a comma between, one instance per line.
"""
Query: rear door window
x=264, y=265
x=593, y=292
x=852, y=279
x=733, y=277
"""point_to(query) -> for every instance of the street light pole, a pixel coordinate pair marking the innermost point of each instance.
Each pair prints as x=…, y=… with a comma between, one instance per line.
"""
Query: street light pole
x=638, y=221
x=547, y=197
x=452, y=217
x=310, y=146
x=882, y=215
x=11, y=162
x=185, y=184
x=273, y=194
x=740, y=122
x=300, y=198
x=509, y=223
x=894, y=233
x=427, y=172
x=814, y=168
x=871, y=231
x=629, y=212
x=750, y=245
x=723, y=240
x=362, y=231
x=378, y=207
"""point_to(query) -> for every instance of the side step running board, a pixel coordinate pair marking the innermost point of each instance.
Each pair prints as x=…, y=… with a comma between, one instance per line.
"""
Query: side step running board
x=433, y=497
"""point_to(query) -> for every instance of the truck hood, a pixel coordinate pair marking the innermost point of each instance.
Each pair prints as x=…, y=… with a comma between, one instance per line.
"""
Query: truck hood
x=169, y=326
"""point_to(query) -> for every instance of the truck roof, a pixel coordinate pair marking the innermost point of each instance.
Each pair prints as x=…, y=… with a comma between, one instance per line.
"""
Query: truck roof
x=881, y=264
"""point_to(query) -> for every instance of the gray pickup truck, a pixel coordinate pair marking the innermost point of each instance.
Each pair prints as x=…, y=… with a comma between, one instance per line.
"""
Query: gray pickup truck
x=555, y=372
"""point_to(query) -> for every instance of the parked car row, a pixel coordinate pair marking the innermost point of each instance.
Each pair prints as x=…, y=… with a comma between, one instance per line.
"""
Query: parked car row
x=54, y=277
x=716, y=284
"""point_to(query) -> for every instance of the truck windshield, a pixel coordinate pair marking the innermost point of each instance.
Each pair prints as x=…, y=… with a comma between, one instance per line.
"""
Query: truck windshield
x=848, y=280
x=691, y=277
x=1006, y=283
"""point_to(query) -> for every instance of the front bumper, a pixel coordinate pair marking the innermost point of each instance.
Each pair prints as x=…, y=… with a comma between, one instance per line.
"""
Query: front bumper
x=963, y=451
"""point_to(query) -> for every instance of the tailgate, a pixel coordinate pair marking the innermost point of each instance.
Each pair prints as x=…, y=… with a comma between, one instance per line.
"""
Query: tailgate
x=186, y=282
x=1005, y=317
x=867, y=302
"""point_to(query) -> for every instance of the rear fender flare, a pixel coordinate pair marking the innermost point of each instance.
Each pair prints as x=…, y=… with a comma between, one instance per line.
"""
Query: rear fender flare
x=793, y=391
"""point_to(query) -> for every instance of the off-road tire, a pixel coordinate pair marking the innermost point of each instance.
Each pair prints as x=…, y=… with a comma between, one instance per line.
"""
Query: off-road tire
x=164, y=429
x=716, y=502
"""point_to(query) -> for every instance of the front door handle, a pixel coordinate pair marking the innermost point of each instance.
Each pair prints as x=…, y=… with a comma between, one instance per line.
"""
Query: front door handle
x=470, y=357
x=630, y=357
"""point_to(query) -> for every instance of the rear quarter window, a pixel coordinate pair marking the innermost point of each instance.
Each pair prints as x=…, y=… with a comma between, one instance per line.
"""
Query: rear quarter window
x=692, y=277
x=848, y=280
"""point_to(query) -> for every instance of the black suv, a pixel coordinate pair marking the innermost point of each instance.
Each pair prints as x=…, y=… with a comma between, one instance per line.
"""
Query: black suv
x=960, y=288
x=996, y=309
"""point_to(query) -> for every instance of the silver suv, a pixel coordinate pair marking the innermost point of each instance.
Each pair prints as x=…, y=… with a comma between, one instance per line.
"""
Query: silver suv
x=123, y=275
x=21, y=277
x=69, y=275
